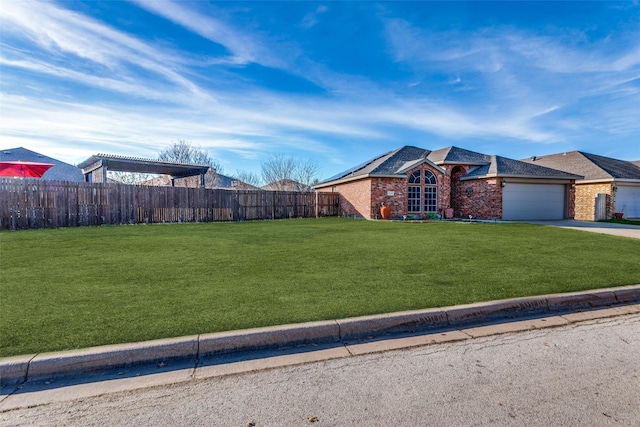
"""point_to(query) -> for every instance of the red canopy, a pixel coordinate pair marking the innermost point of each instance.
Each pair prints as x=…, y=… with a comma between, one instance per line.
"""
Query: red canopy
x=23, y=169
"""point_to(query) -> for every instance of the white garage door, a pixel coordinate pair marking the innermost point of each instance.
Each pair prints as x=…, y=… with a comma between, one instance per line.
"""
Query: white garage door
x=533, y=201
x=628, y=201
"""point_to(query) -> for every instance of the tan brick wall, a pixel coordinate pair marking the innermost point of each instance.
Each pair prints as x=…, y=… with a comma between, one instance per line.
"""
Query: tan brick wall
x=585, y=200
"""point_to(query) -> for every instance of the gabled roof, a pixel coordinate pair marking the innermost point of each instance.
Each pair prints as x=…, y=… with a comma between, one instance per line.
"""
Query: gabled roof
x=458, y=156
x=392, y=164
x=397, y=162
x=60, y=171
x=591, y=166
x=504, y=167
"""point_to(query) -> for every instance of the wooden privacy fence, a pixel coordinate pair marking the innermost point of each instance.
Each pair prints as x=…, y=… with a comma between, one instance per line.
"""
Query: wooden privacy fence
x=32, y=203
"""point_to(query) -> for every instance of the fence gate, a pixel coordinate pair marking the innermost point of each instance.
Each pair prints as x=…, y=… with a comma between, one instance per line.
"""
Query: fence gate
x=601, y=207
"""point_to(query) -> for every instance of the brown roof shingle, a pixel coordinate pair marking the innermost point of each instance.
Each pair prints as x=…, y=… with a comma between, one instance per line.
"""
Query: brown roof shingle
x=591, y=166
x=505, y=167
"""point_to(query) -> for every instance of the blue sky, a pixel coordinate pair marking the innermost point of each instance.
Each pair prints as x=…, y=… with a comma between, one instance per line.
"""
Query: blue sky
x=340, y=82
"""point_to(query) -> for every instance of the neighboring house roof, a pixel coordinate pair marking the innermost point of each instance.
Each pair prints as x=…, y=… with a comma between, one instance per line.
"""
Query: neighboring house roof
x=60, y=171
x=458, y=156
x=211, y=178
x=392, y=164
x=286, y=185
x=504, y=168
x=591, y=166
x=225, y=181
x=636, y=162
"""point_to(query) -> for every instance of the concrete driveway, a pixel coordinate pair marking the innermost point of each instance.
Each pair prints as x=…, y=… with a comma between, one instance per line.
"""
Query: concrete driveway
x=595, y=227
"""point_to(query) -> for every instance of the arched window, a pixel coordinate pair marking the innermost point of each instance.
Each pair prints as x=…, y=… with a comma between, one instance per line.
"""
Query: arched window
x=430, y=192
x=418, y=187
x=429, y=178
x=415, y=192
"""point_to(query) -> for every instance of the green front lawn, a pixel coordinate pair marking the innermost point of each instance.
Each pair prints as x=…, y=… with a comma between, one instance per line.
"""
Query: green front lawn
x=79, y=287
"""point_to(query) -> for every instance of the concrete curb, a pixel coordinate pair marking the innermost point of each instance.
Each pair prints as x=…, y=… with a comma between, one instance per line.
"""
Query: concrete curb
x=19, y=369
x=97, y=358
x=272, y=336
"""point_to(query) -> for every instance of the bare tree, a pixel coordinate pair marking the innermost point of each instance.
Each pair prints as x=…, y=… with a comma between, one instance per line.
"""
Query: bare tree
x=284, y=172
x=307, y=173
x=246, y=180
x=185, y=152
x=130, y=178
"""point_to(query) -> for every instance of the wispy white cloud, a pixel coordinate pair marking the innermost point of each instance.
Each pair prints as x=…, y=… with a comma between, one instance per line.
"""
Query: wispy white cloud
x=124, y=130
x=311, y=19
x=451, y=122
x=489, y=49
x=562, y=54
x=243, y=48
x=252, y=46
x=258, y=114
x=524, y=72
x=443, y=50
x=81, y=49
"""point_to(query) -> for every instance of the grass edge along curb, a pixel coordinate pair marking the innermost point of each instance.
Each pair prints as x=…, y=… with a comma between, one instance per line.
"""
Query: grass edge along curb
x=111, y=285
x=18, y=369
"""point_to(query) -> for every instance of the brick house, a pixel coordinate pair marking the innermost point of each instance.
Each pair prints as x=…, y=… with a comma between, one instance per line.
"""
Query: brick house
x=615, y=182
x=419, y=182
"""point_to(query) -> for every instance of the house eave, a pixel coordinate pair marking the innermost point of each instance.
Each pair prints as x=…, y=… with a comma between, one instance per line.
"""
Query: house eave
x=495, y=175
x=354, y=178
x=595, y=181
x=447, y=162
x=608, y=181
x=627, y=181
x=412, y=165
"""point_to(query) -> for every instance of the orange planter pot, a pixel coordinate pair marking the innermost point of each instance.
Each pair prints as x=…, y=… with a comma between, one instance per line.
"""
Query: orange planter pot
x=385, y=211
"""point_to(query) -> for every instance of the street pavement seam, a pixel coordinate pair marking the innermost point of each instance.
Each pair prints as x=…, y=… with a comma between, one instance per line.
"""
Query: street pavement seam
x=17, y=370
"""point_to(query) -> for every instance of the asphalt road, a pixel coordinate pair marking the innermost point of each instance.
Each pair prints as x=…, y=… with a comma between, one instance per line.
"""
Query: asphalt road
x=585, y=374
